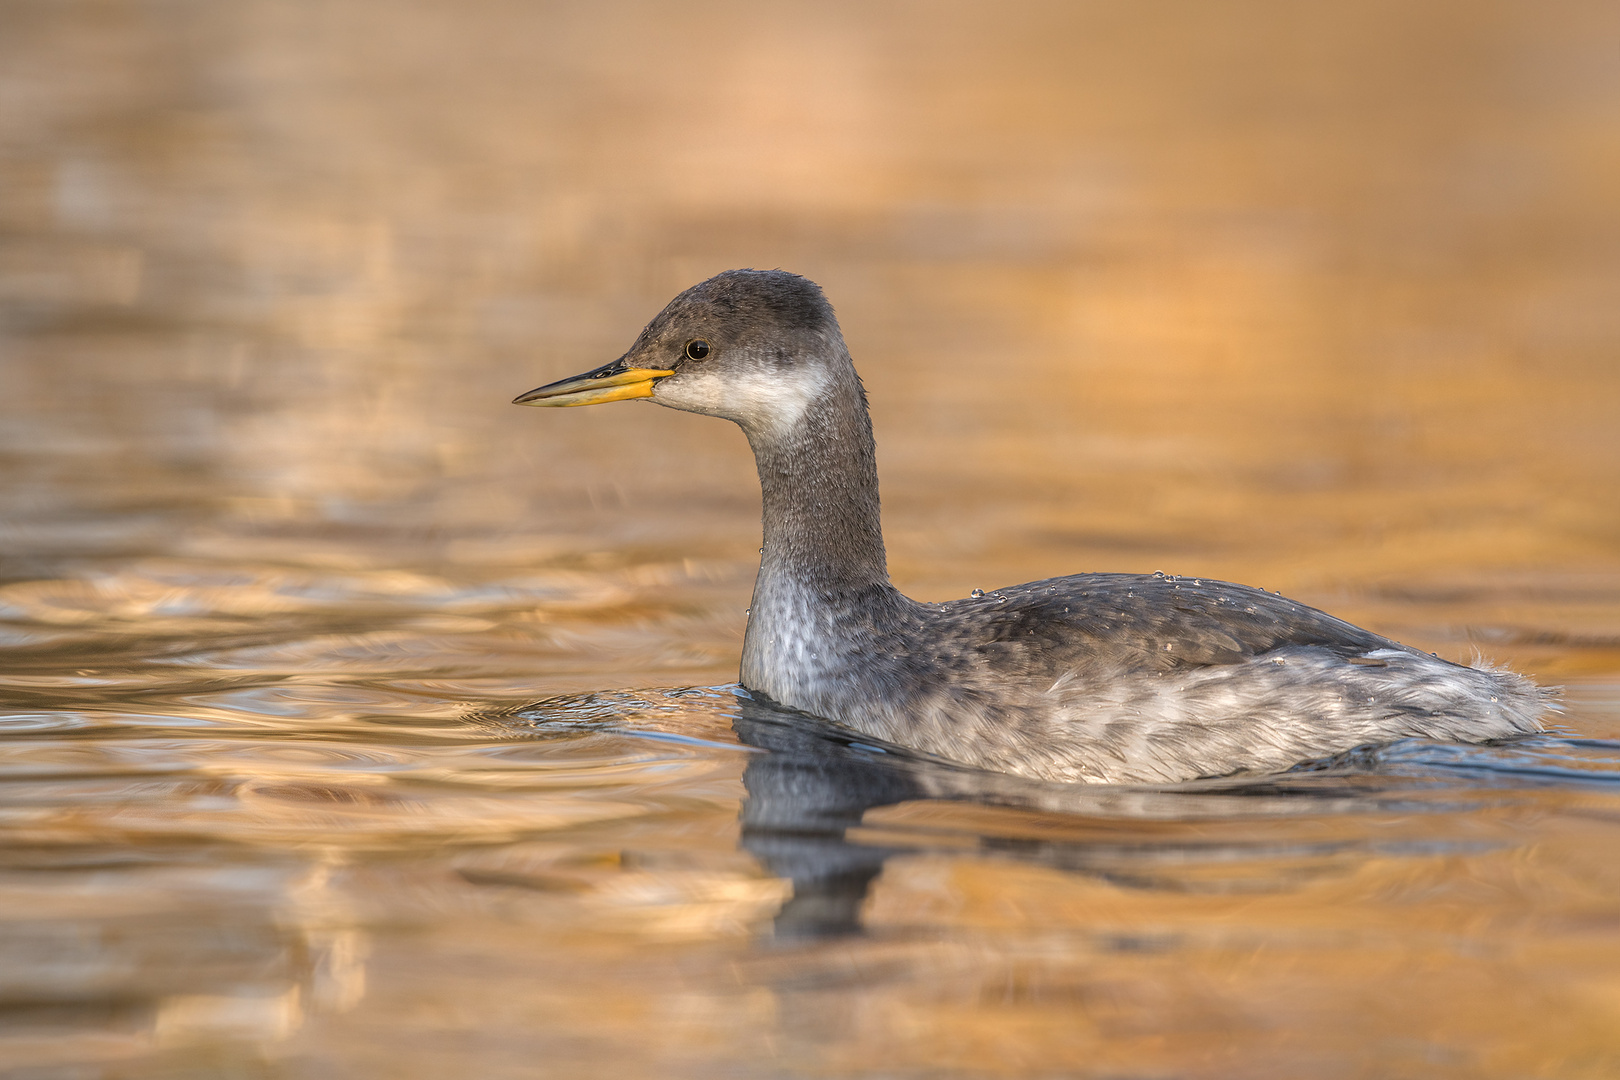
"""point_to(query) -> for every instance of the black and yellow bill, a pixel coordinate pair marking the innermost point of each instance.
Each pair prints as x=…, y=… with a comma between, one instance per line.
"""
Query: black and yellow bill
x=610, y=382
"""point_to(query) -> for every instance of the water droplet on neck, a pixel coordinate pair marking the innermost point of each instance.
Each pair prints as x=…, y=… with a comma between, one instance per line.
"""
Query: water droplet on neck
x=977, y=594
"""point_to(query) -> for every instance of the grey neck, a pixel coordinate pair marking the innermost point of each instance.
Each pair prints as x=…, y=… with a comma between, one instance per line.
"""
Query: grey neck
x=818, y=477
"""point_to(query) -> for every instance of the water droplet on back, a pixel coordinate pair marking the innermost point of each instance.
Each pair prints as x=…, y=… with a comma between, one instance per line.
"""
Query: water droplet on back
x=977, y=594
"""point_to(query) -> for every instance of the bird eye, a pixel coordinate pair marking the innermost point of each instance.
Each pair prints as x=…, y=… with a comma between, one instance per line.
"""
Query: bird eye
x=697, y=350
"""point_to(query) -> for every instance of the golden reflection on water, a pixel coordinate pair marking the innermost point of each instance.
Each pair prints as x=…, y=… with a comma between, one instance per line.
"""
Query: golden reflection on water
x=1317, y=298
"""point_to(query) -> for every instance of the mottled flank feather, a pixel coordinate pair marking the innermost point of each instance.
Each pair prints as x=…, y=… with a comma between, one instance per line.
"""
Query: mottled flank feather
x=1127, y=678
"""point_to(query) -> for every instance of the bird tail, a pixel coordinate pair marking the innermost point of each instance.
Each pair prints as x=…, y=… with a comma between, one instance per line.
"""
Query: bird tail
x=1525, y=705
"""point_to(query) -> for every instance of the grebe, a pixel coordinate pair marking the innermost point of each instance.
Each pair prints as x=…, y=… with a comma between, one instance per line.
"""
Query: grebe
x=1116, y=678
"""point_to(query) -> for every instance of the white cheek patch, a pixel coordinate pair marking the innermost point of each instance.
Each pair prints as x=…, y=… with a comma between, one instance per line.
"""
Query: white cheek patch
x=755, y=399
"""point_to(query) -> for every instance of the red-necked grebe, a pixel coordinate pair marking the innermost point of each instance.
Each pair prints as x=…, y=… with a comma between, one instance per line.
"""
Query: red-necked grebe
x=1123, y=678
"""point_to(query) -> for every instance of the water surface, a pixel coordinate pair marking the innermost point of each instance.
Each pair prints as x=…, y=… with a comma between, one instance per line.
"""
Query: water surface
x=358, y=724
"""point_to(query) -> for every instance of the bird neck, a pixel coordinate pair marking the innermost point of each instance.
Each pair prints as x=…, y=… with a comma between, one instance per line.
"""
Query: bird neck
x=818, y=477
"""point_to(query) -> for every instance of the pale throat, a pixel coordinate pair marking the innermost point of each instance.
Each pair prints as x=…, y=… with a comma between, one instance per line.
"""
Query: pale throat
x=771, y=403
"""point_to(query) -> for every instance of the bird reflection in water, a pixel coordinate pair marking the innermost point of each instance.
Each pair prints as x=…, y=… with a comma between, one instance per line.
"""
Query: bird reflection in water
x=804, y=795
